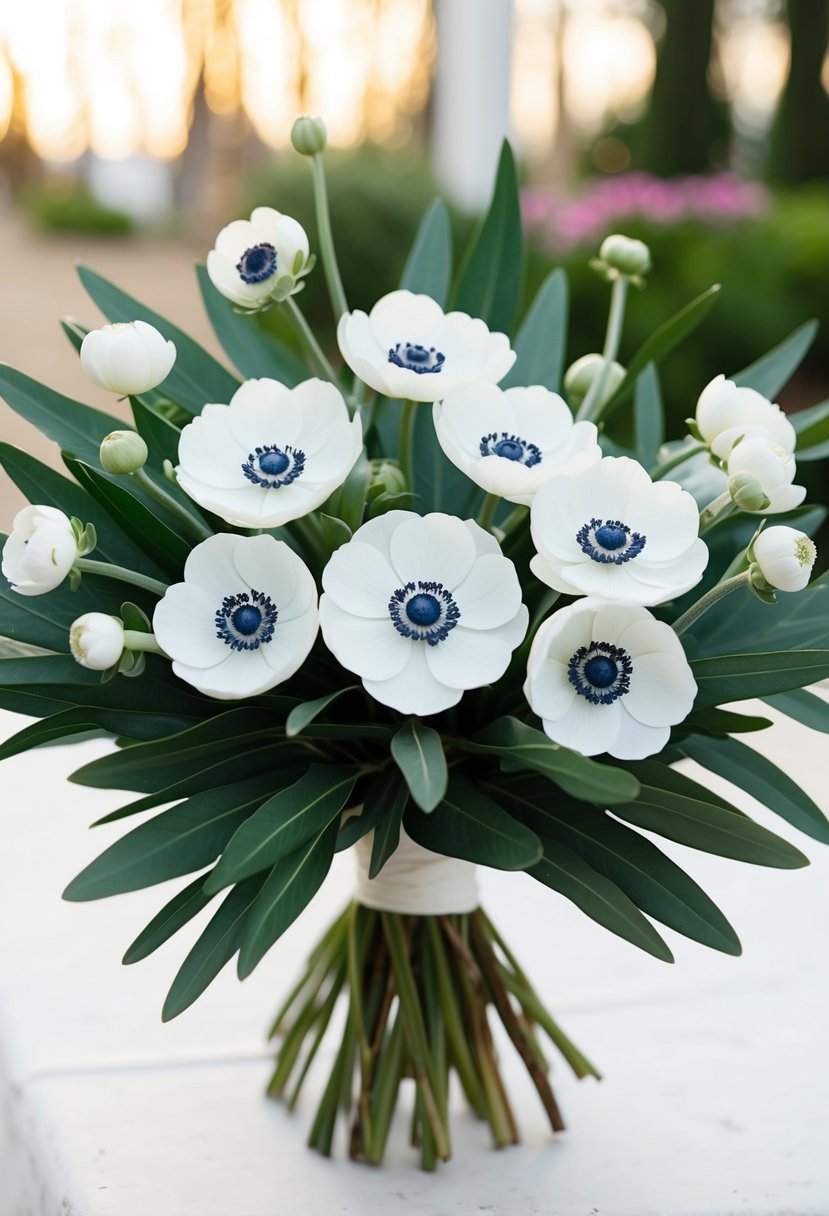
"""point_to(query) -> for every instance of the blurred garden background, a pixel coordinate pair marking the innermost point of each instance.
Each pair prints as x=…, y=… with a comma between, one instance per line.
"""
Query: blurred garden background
x=130, y=133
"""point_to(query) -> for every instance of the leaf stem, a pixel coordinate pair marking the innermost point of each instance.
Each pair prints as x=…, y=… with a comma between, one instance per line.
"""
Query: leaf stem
x=134, y=639
x=709, y=600
x=326, y=239
x=405, y=443
x=668, y=466
x=591, y=407
x=317, y=354
x=719, y=508
x=87, y=565
x=179, y=513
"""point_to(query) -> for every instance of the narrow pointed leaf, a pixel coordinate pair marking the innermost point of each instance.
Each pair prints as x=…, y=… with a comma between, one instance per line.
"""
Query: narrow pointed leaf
x=736, y=677
x=541, y=341
x=648, y=416
x=387, y=830
x=175, y=914
x=428, y=268
x=489, y=280
x=71, y=425
x=805, y=707
x=470, y=825
x=303, y=715
x=770, y=373
x=417, y=751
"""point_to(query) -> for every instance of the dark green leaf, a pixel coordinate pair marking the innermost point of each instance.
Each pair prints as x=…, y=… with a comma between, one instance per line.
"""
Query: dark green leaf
x=68, y=723
x=735, y=677
x=188, y=837
x=173, y=916
x=662, y=341
x=288, y=889
x=216, y=947
x=489, y=279
x=801, y=619
x=673, y=806
x=812, y=428
x=349, y=502
x=470, y=825
x=249, y=348
x=428, y=268
x=159, y=434
x=523, y=747
x=70, y=424
x=648, y=416
x=418, y=753
x=334, y=532
x=391, y=802
x=303, y=715
x=74, y=331
x=599, y=898
x=284, y=823
x=805, y=707
x=753, y=772
x=722, y=722
x=769, y=374
x=440, y=485
x=542, y=337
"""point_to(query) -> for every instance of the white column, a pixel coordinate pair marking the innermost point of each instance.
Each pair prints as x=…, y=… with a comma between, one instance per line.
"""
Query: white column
x=471, y=96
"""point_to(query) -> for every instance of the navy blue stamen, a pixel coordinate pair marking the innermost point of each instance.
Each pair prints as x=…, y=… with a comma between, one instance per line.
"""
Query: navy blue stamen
x=610, y=541
x=273, y=467
x=416, y=358
x=247, y=620
x=424, y=612
x=257, y=263
x=600, y=672
x=511, y=447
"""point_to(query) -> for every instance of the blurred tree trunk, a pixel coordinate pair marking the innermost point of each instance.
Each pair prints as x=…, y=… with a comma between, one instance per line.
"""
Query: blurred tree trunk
x=799, y=149
x=684, y=121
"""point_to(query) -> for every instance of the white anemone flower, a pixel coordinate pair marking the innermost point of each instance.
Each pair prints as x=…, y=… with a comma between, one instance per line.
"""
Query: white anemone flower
x=726, y=411
x=510, y=441
x=422, y=608
x=96, y=640
x=128, y=358
x=261, y=259
x=785, y=557
x=40, y=550
x=408, y=347
x=774, y=469
x=244, y=619
x=608, y=678
x=272, y=455
x=604, y=528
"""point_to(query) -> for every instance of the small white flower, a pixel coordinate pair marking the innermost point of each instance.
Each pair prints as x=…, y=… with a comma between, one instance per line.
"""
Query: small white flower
x=40, y=550
x=785, y=557
x=510, y=441
x=774, y=469
x=422, y=608
x=261, y=259
x=96, y=640
x=608, y=678
x=604, y=528
x=408, y=347
x=128, y=358
x=726, y=411
x=272, y=455
x=243, y=620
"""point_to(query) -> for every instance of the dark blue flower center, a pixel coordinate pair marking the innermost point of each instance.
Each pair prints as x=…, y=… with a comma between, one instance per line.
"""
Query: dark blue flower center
x=511, y=447
x=257, y=263
x=273, y=467
x=424, y=612
x=609, y=541
x=246, y=621
x=416, y=358
x=600, y=672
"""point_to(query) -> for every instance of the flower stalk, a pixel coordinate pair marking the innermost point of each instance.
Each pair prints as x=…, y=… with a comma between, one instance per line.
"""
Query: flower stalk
x=326, y=239
x=708, y=600
x=593, y=404
x=668, y=466
x=86, y=565
x=717, y=510
x=315, y=351
x=181, y=515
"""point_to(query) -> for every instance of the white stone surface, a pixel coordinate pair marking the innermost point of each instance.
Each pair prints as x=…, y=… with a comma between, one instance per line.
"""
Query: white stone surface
x=716, y=1069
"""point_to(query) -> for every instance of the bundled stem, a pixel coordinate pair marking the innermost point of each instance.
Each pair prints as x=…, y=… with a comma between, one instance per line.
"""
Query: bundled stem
x=419, y=991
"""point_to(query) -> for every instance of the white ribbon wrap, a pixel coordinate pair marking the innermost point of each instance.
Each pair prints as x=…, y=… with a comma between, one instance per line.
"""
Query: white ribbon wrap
x=415, y=881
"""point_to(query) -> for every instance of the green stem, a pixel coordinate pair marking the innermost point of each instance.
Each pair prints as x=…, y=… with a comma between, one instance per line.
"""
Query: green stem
x=326, y=239
x=668, y=465
x=709, y=600
x=179, y=513
x=318, y=356
x=87, y=566
x=135, y=640
x=487, y=511
x=591, y=407
x=405, y=443
x=719, y=508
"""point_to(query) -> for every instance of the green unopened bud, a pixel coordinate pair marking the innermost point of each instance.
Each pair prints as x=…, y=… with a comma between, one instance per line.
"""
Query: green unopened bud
x=123, y=452
x=746, y=492
x=387, y=477
x=580, y=376
x=309, y=136
x=625, y=255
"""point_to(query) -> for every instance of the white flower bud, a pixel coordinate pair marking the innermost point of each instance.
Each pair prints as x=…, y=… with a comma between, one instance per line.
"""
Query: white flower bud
x=127, y=358
x=308, y=135
x=626, y=255
x=580, y=376
x=772, y=467
x=785, y=557
x=97, y=640
x=123, y=452
x=40, y=551
x=727, y=412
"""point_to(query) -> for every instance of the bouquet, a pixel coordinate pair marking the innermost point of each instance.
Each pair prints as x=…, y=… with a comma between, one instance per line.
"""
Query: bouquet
x=420, y=604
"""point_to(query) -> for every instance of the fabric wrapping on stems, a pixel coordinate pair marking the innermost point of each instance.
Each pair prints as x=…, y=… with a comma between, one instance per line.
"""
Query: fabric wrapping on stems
x=415, y=881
